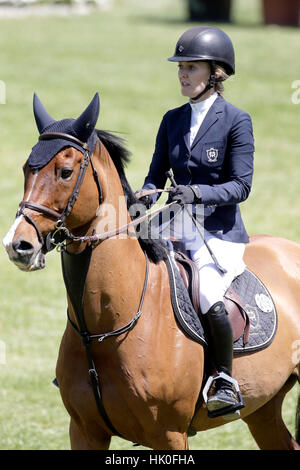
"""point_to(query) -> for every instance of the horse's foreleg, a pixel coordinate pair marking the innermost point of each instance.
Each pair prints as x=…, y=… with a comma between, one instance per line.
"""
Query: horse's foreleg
x=267, y=426
x=80, y=442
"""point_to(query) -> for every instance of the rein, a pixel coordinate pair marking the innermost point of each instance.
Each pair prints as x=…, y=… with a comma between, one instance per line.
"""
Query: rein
x=99, y=237
x=58, y=237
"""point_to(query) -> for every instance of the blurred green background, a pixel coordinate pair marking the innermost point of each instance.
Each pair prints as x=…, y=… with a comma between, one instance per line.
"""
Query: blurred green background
x=121, y=52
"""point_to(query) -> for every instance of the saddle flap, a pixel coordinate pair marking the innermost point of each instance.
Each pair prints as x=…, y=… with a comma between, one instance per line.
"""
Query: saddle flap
x=190, y=276
x=237, y=315
x=236, y=319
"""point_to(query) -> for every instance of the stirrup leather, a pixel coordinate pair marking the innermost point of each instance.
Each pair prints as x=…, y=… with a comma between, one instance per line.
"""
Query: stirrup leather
x=230, y=410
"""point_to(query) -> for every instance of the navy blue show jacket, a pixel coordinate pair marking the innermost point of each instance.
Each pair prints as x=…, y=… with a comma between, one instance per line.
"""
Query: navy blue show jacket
x=220, y=161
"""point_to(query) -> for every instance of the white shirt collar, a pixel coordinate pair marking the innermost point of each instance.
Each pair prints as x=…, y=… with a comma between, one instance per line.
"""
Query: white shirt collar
x=204, y=105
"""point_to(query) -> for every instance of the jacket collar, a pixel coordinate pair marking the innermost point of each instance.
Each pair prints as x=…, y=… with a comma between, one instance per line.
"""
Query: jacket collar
x=211, y=117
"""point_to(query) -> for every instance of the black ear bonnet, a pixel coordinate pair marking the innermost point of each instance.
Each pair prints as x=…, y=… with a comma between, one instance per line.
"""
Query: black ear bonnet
x=81, y=128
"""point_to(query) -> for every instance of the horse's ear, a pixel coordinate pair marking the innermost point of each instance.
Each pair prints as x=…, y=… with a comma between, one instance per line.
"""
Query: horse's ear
x=42, y=118
x=85, y=123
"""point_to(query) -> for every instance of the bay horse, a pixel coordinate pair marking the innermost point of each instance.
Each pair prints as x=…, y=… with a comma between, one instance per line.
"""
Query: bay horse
x=125, y=355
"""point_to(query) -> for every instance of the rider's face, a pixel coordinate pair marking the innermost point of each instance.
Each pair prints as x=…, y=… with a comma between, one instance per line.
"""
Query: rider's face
x=193, y=77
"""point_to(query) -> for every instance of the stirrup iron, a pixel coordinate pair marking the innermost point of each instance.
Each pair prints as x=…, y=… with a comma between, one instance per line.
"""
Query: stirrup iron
x=228, y=412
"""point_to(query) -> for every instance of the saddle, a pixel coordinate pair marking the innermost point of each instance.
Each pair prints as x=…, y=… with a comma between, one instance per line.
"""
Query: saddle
x=239, y=318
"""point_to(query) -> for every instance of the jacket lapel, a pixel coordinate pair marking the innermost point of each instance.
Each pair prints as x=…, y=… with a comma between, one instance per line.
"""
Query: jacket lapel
x=211, y=117
x=186, y=125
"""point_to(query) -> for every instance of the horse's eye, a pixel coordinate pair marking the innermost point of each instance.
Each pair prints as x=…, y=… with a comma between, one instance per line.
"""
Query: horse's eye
x=66, y=173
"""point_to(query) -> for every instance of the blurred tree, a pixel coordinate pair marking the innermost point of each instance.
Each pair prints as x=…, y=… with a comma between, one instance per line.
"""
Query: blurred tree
x=209, y=10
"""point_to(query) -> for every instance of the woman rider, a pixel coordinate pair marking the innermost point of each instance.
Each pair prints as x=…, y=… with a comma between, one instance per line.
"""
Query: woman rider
x=208, y=143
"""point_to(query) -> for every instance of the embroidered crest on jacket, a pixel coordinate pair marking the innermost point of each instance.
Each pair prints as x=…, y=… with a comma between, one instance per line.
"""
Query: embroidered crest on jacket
x=212, y=155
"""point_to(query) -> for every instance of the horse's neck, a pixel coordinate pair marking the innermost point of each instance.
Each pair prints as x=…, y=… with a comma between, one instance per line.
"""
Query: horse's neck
x=112, y=212
x=117, y=269
x=115, y=283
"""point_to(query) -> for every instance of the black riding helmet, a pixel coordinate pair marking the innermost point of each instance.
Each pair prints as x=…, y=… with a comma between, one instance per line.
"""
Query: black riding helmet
x=207, y=43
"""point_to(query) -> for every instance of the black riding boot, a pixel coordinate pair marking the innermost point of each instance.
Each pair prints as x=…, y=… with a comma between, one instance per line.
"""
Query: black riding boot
x=224, y=396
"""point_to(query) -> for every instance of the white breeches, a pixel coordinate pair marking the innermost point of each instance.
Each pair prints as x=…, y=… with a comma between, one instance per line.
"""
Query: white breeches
x=213, y=284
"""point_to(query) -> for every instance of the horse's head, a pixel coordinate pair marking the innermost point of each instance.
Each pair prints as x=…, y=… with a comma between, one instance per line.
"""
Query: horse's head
x=54, y=173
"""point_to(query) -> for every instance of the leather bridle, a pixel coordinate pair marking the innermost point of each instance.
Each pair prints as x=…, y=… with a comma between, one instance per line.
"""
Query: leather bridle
x=60, y=234
x=60, y=229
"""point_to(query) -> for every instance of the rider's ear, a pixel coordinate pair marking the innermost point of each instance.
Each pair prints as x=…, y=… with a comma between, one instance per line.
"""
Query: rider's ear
x=42, y=118
x=85, y=123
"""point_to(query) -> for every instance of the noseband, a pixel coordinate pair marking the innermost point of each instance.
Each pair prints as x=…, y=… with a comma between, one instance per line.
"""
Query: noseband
x=60, y=217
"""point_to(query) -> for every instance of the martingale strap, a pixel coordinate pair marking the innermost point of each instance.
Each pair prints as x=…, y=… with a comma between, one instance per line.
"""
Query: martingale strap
x=75, y=269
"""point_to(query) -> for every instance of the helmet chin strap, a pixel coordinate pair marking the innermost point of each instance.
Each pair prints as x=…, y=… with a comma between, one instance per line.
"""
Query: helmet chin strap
x=211, y=82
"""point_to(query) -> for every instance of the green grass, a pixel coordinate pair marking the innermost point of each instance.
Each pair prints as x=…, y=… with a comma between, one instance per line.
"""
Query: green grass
x=122, y=54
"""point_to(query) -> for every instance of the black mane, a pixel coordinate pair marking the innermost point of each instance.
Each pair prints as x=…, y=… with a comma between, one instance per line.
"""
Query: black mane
x=115, y=145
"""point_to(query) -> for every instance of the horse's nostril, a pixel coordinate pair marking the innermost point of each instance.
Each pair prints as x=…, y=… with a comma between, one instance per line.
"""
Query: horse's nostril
x=22, y=246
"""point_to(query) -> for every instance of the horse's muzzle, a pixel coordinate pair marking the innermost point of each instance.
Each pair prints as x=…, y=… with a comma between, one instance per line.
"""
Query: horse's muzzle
x=23, y=255
x=26, y=255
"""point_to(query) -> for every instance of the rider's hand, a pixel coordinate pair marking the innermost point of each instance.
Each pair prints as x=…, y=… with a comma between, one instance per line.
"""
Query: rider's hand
x=182, y=194
x=146, y=200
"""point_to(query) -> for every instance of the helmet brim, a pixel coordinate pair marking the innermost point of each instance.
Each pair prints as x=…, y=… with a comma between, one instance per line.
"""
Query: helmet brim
x=181, y=58
x=177, y=58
